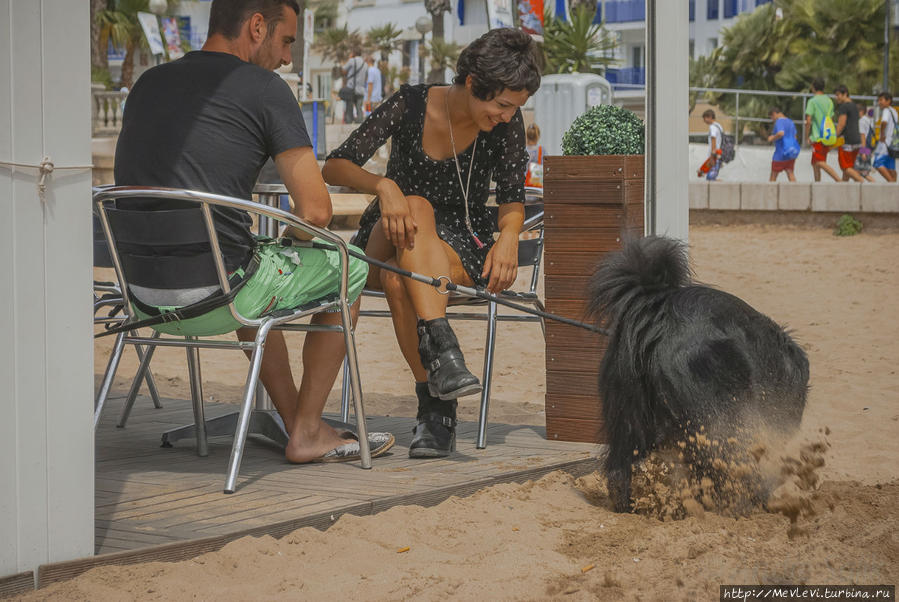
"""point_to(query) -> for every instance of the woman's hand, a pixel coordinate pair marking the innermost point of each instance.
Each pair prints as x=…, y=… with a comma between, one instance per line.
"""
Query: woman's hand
x=502, y=263
x=396, y=217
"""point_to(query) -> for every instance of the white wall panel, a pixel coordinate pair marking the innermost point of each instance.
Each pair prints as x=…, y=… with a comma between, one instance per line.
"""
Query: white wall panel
x=47, y=499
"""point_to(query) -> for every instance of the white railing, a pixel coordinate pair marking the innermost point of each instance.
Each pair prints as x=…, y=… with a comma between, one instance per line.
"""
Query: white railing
x=106, y=112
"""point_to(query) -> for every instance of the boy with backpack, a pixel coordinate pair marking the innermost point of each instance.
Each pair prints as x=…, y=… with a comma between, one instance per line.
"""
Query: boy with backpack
x=885, y=152
x=786, y=147
x=712, y=165
x=866, y=135
x=819, y=125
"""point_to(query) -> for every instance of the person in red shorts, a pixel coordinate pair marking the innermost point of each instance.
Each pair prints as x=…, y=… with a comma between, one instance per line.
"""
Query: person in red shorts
x=818, y=108
x=847, y=126
x=786, y=147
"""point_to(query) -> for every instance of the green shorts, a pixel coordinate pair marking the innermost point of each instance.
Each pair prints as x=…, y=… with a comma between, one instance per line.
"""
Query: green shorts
x=287, y=277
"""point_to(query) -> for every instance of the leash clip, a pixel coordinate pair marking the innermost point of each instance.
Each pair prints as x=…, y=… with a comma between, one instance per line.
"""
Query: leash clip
x=445, y=290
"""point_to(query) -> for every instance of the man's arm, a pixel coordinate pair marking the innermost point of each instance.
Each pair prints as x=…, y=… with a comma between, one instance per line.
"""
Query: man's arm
x=300, y=173
x=713, y=144
x=841, y=123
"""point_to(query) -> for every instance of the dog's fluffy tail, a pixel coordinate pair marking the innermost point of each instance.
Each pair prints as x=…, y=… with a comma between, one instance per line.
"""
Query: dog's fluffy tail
x=645, y=266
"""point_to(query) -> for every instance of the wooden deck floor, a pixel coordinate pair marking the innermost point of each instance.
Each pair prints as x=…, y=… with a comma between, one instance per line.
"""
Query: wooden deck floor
x=147, y=495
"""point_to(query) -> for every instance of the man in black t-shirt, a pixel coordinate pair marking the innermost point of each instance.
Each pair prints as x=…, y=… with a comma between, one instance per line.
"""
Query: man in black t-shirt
x=209, y=121
x=846, y=113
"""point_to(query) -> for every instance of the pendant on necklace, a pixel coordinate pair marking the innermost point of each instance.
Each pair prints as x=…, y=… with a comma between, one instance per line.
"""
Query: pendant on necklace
x=477, y=240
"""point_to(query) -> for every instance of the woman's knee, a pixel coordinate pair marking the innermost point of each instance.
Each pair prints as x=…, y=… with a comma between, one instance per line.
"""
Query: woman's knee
x=422, y=210
x=392, y=284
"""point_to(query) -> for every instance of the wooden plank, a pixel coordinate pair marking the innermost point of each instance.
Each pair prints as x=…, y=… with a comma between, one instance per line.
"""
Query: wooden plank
x=582, y=240
x=585, y=216
x=561, y=336
x=566, y=382
x=592, y=192
x=558, y=167
x=581, y=407
x=568, y=429
x=567, y=358
x=17, y=584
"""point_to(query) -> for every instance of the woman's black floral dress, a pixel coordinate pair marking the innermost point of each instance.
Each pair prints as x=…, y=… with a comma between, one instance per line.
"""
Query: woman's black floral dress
x=500, y=156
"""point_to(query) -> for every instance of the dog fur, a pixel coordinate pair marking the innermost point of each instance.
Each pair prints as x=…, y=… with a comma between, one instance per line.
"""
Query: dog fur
x=683, y=358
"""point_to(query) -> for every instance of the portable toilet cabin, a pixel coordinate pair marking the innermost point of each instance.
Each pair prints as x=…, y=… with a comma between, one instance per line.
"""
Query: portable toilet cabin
x=562, y=98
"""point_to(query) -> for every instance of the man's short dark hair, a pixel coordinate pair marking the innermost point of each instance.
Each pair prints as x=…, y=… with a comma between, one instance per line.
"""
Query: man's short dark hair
x=227, y=16
x=500, y=59
x=841, y=89
x=708, y=113
x=887, y=96
x=818, y=84
x=774, y=109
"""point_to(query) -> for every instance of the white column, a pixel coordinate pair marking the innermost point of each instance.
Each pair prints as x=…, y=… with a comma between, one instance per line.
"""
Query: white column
x=46, y=356
x=667, y=106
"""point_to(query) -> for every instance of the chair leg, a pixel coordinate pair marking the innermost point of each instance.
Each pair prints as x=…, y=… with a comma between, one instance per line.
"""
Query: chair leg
x=488, y=375
x=196, y=396
x=246, y=408
x=111, y=366
x=148, y=377
x=142, y=371
x=539, y=305
x=352, y=362
x=345, y=393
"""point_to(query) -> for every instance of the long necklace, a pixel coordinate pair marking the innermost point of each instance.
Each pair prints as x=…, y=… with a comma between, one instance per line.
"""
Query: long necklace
x=467, y=183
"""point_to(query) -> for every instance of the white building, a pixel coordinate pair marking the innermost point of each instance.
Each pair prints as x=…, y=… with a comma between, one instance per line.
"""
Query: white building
x=627, y=18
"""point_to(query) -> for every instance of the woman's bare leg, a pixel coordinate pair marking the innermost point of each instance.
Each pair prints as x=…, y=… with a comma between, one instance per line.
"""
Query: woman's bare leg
x=402, y=293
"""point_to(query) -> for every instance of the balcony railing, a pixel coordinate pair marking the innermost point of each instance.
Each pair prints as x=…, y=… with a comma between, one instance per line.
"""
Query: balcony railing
x=622, y=11
x=626, y=77
x=106, y=112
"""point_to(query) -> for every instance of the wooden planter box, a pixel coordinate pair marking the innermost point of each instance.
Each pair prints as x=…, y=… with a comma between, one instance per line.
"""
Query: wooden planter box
x=591, y=202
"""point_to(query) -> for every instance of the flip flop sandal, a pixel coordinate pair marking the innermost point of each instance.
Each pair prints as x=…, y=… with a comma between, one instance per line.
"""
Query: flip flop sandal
x=378, y=443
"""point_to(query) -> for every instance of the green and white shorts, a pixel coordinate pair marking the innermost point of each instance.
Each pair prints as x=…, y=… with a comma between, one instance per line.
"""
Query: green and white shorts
x=287, y=277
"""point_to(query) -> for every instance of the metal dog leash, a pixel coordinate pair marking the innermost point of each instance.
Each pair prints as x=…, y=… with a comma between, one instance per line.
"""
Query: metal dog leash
x=449, y=286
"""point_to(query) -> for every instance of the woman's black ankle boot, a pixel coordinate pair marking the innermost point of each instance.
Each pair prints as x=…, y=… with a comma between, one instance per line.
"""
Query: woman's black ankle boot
x=435, y=434
x=448, y=378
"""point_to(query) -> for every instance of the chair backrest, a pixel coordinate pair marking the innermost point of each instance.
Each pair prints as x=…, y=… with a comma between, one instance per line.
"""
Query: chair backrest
x=164, y=249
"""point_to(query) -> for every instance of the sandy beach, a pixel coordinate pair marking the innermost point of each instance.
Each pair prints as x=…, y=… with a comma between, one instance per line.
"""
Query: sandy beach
x=557, y=537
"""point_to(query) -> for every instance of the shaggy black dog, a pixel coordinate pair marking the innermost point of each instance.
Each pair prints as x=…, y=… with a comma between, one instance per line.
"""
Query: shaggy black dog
x=684, y=359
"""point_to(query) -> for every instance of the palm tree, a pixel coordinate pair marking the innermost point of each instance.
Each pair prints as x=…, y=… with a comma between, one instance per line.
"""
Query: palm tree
x=578, y=45
x=119, y=23
x=443, y=56
x=335, y=44
x=436, y=8
x=98, y=54
x=384, y=39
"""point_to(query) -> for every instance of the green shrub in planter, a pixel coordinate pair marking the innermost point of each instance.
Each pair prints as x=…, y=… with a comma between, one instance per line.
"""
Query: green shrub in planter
x=605, y=130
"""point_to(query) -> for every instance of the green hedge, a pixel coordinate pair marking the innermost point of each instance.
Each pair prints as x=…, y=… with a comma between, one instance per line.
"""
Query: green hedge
x=605, y=130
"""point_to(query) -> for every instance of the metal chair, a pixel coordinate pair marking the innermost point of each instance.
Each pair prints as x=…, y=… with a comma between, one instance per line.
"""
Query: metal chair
x=108, y=295
x=193, y=226
x=530, y=254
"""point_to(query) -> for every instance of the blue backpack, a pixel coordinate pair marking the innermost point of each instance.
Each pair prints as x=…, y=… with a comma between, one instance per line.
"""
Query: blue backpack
x=791, y=148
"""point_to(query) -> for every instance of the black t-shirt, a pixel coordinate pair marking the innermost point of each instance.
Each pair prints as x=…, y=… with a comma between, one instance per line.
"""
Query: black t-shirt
x=850, y=132
x=207, y=121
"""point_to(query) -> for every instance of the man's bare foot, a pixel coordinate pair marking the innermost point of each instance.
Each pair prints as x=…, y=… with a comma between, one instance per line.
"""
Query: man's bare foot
x=306, y=445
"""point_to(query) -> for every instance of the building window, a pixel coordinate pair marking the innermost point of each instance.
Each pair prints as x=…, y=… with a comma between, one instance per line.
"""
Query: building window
x=692, y=49
x=711, y=12
x=637, y=56
x=692, y=10
x=713, y=43
x=730, y=9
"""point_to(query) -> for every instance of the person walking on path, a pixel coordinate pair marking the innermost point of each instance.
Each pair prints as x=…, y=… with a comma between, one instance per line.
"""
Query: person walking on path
x=883, y=162
x=712, y=165
x=847, y=127
x=819, y=107
x=374, y=90
x=866, y=134
x=354, y=78
x=786, y=147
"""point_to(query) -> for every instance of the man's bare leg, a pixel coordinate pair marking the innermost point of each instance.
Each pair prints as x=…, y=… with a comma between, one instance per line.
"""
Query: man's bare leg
x=323, y=354
x=823, y=165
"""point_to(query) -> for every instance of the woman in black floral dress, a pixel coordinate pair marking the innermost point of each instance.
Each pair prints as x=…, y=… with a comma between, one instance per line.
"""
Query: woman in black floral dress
x=448, y=143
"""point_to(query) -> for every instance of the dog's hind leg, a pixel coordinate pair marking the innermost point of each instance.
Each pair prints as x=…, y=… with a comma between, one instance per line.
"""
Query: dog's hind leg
x=618, y=482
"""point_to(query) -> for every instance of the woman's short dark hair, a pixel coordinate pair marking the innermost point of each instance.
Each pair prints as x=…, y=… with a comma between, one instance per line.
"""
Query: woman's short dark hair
x=498, y=60
x=226, y=16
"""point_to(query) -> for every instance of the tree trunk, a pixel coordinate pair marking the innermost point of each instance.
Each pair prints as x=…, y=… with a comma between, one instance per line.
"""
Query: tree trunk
x=99, y=58
x=128, y=64
x=298, y=48
x=437, y=22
